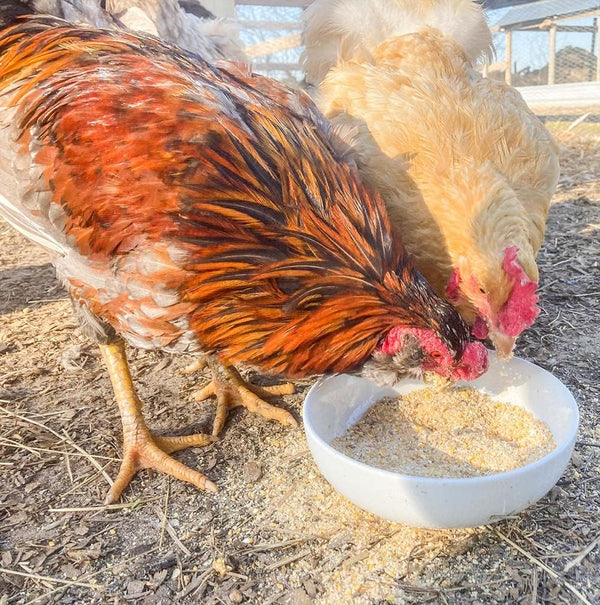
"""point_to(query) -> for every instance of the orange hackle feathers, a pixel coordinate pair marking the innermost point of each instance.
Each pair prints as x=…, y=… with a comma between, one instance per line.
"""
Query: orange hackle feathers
x=207, y=209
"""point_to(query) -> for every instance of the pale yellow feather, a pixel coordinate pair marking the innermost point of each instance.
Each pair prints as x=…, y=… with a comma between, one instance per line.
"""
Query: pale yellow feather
x=464, y=166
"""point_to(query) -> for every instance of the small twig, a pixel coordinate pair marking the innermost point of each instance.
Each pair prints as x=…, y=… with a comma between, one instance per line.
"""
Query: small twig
x=68, y=465
x=56, y=412
x=593, y=478
x=292, y=532
x=87, y=480
x=95, y=463
x=418, y=588
x=534, y=586
x=18, y=445
x=266, y=546
x=578, y=121
x=46, y=595
x=272, y=599
x=582, y=555
x=558, y=315
x=85, y=509
x=47, y=300
x=548, y=570
x=585, y=294
x=589, y=443
x=287, y=560
x=163, y=518
x=34, y=450
x=66, y=438
x=356, y=557
x=89, y=576
x=197, y=582
x=547, y=285
x=301, y=454
x=365, y=552
x=33, y=576
x=29, y=421
x=467, y=586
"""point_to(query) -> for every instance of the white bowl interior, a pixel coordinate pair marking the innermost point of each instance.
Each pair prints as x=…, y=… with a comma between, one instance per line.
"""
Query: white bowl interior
x=336, y=403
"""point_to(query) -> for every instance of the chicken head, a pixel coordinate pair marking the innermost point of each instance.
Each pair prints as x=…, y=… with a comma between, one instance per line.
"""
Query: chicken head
x=504, y=299
x=413, y=352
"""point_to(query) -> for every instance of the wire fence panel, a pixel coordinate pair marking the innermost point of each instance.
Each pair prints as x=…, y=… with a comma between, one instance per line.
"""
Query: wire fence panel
x=531, y=63
x=273, y=39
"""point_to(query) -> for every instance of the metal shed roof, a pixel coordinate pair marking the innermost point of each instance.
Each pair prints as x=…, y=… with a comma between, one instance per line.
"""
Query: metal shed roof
x=494, y=4
x=488, y=4
x=537, y=12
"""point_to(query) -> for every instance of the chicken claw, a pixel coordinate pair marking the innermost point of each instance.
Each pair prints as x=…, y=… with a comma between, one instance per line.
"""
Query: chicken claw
x=141, y=448
x=232, y=391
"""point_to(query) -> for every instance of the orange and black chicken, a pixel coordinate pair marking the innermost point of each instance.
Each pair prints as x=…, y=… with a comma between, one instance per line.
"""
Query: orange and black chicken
x=203, y=210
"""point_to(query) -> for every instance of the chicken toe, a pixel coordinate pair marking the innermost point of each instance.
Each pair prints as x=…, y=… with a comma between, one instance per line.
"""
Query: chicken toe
x=141, y=448
x=231, y=391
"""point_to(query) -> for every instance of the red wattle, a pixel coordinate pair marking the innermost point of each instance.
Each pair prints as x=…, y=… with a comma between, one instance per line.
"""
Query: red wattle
x=473, y=363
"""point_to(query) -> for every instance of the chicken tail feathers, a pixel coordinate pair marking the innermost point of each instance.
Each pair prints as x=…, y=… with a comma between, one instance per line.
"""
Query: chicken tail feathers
x=11, y=10
x=75, y=11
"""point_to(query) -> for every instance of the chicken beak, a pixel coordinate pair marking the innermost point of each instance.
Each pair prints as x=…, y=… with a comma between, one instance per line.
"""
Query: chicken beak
x=503, y=344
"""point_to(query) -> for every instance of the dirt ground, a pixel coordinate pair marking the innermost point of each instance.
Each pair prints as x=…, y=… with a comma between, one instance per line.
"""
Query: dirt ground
x=276, y=532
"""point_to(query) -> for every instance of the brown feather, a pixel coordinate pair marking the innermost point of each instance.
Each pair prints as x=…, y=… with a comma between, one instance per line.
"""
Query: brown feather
x=234, y=184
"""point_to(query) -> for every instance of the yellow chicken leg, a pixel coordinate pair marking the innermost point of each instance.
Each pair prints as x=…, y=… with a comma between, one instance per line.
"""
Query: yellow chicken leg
x=142, y=449
x=232, y=391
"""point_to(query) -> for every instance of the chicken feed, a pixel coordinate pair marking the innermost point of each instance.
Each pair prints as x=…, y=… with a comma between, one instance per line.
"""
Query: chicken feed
x=456, y=432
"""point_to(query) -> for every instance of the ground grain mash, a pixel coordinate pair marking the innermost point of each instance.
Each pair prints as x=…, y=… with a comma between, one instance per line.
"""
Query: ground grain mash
x=455, y=432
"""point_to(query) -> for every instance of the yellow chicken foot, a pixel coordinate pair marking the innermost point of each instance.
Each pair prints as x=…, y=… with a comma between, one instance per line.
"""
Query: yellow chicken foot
x=142, y=449
x=232, y=391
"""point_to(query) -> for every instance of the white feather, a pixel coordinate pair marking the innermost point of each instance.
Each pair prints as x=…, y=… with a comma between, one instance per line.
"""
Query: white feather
x=343, y=29
x=212, y=39
x=26, y=224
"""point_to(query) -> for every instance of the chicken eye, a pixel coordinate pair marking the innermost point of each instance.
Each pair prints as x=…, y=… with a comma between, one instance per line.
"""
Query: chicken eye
x=482, y=291
x=436, y=355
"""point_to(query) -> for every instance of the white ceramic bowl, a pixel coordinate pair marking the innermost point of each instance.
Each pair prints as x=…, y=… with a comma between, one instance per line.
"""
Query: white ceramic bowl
x=337, y=402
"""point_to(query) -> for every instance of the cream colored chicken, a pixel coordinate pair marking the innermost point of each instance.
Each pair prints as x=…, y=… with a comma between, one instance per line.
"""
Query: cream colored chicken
x=467, y=171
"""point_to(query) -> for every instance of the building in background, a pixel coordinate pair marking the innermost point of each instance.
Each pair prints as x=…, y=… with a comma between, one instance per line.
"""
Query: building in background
x=556, y=40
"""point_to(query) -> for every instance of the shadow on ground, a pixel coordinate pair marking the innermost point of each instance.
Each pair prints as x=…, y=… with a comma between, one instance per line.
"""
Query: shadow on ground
x=26, y=286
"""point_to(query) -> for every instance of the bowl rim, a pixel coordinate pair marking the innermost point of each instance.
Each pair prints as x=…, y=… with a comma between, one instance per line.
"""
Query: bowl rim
x=567, y=443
